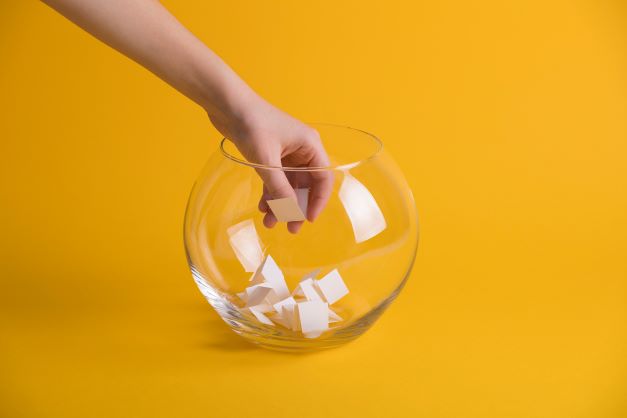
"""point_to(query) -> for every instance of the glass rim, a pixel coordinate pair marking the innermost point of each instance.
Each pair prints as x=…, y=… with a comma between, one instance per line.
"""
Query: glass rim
x=346, y=166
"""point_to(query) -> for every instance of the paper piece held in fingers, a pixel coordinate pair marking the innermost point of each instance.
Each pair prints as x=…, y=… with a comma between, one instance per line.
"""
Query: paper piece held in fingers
x=286, y=209
x=332, y=287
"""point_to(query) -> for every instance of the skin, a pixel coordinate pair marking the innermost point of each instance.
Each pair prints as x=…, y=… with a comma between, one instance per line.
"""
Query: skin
x=146, y=32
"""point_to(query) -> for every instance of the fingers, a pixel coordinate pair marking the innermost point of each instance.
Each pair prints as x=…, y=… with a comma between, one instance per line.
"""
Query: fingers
x=269, y=220
x=294, y=227
x=276, y=186
x=321, y=183
x=305, y=151
x=322, y=186
x=298, y=179
x=263, y=204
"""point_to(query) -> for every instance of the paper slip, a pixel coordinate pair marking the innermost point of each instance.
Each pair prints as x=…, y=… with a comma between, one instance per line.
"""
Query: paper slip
x=332, y=287
x=313, y=316
x=288, y=209
x=307, y=310
x=269, y=273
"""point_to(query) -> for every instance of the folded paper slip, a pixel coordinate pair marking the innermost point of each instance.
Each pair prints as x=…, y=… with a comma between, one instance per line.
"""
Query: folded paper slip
x=269, y=273
x=260, y=293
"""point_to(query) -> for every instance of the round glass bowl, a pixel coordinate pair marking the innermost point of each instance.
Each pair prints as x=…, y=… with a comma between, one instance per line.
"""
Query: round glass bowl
x=353, y=259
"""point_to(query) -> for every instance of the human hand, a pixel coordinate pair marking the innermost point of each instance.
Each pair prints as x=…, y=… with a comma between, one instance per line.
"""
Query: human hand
x=265, y=135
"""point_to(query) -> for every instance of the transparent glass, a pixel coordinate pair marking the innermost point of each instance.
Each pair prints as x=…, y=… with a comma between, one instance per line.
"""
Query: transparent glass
x=368, y=231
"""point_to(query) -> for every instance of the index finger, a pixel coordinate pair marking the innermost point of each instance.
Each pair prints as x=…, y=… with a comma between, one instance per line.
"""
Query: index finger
x=321, y=183
x=278, y=186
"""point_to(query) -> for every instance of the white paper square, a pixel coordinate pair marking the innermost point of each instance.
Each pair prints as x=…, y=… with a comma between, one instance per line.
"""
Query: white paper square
x=313, y=316
x=332, y=287
x=270, y=273
x=286, y=209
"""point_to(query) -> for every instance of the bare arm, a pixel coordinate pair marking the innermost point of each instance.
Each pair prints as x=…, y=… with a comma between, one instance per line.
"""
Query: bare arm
x=146, y=32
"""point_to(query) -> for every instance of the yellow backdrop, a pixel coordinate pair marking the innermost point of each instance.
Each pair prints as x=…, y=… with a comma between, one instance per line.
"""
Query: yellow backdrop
x=509, y=120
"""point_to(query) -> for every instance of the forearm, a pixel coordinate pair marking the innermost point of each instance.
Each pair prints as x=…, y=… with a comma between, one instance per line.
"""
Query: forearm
x=146, y=32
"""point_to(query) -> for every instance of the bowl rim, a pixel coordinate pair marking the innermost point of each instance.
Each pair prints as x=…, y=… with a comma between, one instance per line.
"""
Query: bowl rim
x=346, y=166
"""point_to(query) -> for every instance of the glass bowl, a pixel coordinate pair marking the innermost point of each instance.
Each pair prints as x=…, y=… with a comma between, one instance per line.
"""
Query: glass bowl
x=326, y=284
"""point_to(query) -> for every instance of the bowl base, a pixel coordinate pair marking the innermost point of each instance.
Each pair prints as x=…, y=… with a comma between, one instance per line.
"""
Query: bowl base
x=295, y=347
x=275, y=339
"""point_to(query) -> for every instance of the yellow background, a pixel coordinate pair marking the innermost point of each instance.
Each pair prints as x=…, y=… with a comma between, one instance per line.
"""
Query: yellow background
x=509, y=120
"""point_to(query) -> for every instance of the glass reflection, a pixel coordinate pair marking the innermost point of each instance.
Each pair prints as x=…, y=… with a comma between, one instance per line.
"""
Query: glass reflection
x=245, y=242
x=362, y=209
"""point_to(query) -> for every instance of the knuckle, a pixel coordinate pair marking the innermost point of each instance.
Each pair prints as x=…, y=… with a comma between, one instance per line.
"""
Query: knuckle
x=312, y=135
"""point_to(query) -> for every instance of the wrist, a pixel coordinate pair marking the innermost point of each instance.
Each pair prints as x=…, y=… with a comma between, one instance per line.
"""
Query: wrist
x=235, y=114
x=238, y=120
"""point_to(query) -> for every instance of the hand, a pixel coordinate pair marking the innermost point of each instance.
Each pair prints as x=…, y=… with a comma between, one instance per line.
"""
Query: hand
x=266, y=135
